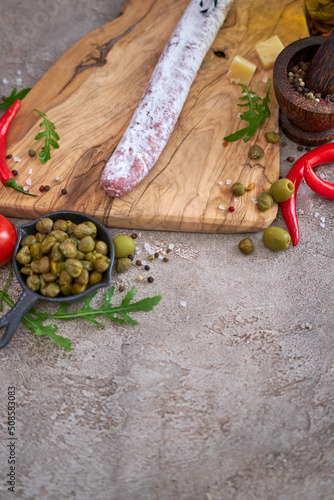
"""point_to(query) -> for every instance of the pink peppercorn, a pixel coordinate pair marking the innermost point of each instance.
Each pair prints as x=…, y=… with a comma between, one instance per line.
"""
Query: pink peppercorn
x=41, y=188
x=231, y=209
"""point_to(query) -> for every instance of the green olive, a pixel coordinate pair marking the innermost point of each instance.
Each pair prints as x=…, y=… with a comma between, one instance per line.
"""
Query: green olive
x=48, y=243
x=276, y=238
x=83, y=279
x=246, y=246
x=101, y=264
x=101, y=247
x=265, y=201
x=23, y=256
x=68, y=249
x=61, y=225
x=33, y=282
x=50, y=290
x=282, y=190
x=44, y=264
x=95, y=277
x=73, y=267
x=45, y=225
x=86, y=244
x=124, y=246
x=78, y=288
x=122, y=264
x=29, y=240
x=64, y=278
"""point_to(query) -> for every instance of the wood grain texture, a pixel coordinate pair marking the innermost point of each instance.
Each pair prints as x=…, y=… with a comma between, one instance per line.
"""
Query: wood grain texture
x=91, y=93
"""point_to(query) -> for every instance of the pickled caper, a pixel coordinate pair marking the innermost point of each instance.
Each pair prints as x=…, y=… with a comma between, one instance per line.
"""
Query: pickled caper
x=60, y=224
x=73, y=267
x=272, y=137
x=91, y=256
x=50, y=290
x=40, y=237
x=124, y=246
x=48, y=243
x=101, y=264
x=78, y=288
x=238, y=189
x=56, y=254
x=68, y=249
x=265, y=201
x=83, y=279
x=29, y=240
x=44, y=264
x=282, y=190
x=64, y=278
x=122, y=264
x=24, y=256
x=49, y=277
x=276, y=238
x=70, y=227
x=26, y=270
x=66, y=290
x=59, y=235
x=55, y=268
x=95, y=277
x=36, y=251
x=44, y=225
x=255, y=152
x=80, y=255
x=86, y=264
x=246, y=246
x=35, y=266
x=85, y=229
x=33, y=282
x=101, y=247
x=86, y=244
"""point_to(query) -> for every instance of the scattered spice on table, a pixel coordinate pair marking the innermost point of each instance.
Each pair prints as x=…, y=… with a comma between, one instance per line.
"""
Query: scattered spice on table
x=64, y=191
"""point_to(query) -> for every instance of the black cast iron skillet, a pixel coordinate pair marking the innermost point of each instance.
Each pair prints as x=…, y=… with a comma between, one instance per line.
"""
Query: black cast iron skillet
x=29, y=298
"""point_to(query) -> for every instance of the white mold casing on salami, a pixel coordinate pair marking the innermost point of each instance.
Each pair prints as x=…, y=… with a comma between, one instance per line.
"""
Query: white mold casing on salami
x=160, y=106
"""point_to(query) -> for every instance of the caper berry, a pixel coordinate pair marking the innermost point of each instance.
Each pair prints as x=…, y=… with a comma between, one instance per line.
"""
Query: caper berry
x=255, y=152
x=246, y=246
x=272, y=137
x=238, y=189
x=122, y=264
x=276, y=238
x=282, y=190
x=124, y=246
x=265, y=201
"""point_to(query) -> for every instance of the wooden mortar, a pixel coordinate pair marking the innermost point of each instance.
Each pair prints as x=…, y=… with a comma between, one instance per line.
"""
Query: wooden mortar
x=304, y=121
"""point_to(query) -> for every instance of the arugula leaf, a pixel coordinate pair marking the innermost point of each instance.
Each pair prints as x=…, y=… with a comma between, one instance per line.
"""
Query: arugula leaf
x=256, y=114
x=33, y=320
x=51, y=137
x=14, y=96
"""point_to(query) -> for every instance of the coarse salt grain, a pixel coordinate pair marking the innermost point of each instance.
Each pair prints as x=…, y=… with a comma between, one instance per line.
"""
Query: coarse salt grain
x=183, y=303
x=322, y=176
x=30, y=171
x=220, y=183
x=161, y=257
x=5, y=81
x=322, y=219
x=28, y=181
x=139, y=235
x=254, y=200
x=19, y=72
x=25, y=188
x=264, y=79
x=171, y=246
x=236, y=200
x=228, y=181
x=316, y=214
x=322, y=224
x=239, y=115
x=19, y=80
x=16, y=158
x=221, y=207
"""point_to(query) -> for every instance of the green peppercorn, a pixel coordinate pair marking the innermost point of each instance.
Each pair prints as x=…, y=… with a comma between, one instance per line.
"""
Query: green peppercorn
x=238, y=189
x=282, y=190
x=246, y=246
x=276, y=238
x=265, y=201
x=31, y=152
x=255, y=152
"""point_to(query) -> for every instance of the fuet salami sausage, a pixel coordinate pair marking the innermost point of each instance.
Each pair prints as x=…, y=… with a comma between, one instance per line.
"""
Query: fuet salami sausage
x=164, y=96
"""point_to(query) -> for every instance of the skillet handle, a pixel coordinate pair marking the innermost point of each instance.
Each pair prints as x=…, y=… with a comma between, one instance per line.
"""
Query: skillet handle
x=12, y=319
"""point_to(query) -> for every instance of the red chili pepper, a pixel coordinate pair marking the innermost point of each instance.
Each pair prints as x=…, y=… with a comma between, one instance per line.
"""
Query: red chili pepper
x=321, y=154
x=6, y=176
x=325, y=189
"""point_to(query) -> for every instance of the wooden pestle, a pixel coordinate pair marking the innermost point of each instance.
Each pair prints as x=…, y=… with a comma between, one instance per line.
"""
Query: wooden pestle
x=320, y=74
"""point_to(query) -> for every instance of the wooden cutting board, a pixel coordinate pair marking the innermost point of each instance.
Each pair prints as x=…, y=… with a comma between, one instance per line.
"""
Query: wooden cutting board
x=91, y=93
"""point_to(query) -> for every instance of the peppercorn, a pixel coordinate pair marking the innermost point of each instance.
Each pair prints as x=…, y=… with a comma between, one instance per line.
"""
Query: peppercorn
x=151, y=257
x=156, y=255
x=300, y=148
x=133, y=236
x=169, y=250
x=147, y=268
x=14, y=172
x=46, y=188
x=31, y=152
x=165, y=259
x=140, y=278
x=138, y=262
x=150, y=279
x=64, y=191
x=8, y=157
x=290, y=159
x=121, y=288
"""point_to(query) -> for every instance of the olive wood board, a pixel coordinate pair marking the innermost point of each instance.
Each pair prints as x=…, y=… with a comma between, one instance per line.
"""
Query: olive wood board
x=90, y=94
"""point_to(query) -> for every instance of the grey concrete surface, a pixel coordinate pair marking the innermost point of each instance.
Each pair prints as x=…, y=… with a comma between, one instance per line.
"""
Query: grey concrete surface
x=223, y=392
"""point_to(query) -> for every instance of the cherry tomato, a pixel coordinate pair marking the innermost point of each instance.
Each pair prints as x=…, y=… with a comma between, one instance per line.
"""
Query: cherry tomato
x=8, y=237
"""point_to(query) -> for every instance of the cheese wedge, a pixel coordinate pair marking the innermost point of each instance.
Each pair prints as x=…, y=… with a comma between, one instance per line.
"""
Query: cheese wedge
x=268, y=51
x=241, y=70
